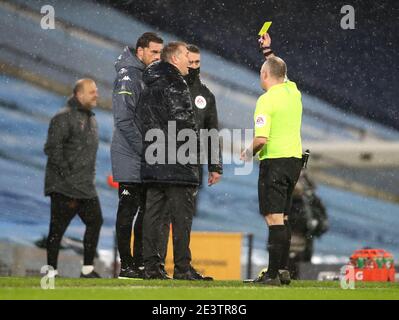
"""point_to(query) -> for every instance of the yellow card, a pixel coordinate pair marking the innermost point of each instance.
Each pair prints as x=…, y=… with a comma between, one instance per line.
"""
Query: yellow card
x=265, y=27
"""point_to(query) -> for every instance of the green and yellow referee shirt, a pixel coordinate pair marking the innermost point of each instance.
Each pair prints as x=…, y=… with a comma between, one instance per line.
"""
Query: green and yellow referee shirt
x=278, y=117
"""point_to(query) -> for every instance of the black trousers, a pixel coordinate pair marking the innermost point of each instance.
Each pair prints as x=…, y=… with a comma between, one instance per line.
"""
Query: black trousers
x=166, y=222
x=63, y=210
x=180, y=201
x=163, y=249
x=131, y=205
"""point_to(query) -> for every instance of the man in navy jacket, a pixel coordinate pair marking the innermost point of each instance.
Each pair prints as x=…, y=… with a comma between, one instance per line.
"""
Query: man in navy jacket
x=126, y=149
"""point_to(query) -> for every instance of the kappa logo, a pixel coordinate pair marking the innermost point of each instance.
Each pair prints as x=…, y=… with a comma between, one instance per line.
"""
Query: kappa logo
x=260, y=121
x=126, y=192
x=126, y=78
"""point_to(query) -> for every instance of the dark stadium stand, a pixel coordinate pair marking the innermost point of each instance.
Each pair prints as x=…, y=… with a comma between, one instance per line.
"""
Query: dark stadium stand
x=353, y=69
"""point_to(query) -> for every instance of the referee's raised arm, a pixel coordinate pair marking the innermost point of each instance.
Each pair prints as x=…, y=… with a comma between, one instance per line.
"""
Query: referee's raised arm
x=265, y=43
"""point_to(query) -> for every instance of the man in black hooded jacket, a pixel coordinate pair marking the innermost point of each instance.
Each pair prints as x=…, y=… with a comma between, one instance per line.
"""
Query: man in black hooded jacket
x=204, y=105
x=168, y=119
x=71, y=148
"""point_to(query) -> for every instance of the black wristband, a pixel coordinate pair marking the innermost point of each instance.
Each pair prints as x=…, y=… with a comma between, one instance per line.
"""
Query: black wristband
x=266, y=54
x=261, y=49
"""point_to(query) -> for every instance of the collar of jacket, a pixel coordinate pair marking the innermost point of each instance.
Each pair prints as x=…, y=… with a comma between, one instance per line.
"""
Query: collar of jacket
x=161, y=71
x=74, y=103
x=128, y=59
x=193, y=81
x=170, y=68
x=137, y=63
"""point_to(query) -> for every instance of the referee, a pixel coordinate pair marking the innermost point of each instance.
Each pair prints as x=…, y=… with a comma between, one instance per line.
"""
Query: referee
x=277, y=119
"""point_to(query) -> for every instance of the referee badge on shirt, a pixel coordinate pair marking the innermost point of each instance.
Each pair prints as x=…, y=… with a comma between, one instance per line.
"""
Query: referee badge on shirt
x=200, y=102
x=260, y=121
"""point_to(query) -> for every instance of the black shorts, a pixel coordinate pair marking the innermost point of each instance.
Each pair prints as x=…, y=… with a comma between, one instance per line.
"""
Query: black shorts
x=277, y=180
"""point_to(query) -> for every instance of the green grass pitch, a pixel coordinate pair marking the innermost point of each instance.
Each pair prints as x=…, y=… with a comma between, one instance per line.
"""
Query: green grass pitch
x=29, y=288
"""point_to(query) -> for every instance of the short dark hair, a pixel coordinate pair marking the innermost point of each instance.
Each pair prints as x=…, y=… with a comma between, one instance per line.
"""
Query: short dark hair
x=193, y=48
x=171, y=49
x=146, y=38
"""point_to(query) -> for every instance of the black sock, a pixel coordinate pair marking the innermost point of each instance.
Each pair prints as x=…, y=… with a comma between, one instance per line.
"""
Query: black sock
x=286, y=249
x=276, y=243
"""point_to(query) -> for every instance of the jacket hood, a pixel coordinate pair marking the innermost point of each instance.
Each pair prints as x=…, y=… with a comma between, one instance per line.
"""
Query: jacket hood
x=161, y=71
x=128, y=59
